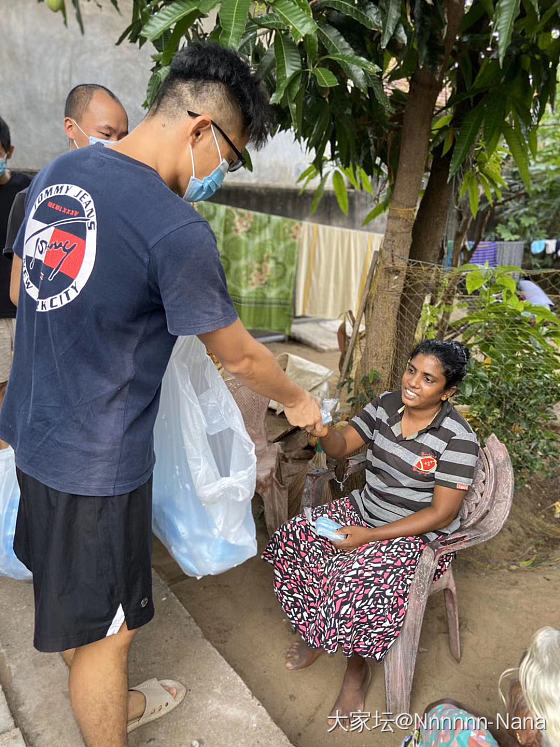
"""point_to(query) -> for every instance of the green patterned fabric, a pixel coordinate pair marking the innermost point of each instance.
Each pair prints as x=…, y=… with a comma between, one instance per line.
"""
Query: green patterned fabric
x=259, y=254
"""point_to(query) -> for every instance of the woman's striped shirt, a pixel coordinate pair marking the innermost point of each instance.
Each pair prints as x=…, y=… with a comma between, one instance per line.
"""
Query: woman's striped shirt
x=401, y=473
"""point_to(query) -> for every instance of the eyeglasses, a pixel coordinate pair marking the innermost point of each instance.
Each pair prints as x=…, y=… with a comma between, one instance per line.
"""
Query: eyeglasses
x=240, y=160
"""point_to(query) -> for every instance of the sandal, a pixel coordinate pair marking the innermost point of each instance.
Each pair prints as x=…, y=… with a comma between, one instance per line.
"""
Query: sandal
x=158, y=700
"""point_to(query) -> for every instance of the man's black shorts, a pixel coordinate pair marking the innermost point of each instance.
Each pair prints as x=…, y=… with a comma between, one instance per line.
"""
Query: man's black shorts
x=91, y=560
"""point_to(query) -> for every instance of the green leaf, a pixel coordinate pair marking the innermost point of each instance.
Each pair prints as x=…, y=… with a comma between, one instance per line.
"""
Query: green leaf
x=466, y=138
x=494, y=115
x=507, y=282
x=336, y=44
x=475, y=280
x=351, y=9
x=322, y=121
x=233, y=19
x=319, y=192
x=487, y=75
x=379, y=93
x=293, y=92
x=377, y=210
x=532, y=141
x=270, y=21
x=311, y=45
x=518, y=149
x=449, y=140
x=473, y=195
x=506, y=13
x=266, y=64
x=305, y=6
x=486, y=187
x=180, y=29
x=167, y=16
x=351, y=176
x=340, y=191
x=354, y=59
x=442, y=122
x=154, y=84
x=293, y=15
x=248, y=161
x=325, y=78
x=288, y=63
x=391, y=20
x=366, y=182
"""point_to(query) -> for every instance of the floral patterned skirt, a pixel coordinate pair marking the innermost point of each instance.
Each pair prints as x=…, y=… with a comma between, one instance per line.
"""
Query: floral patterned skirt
x=353, y=600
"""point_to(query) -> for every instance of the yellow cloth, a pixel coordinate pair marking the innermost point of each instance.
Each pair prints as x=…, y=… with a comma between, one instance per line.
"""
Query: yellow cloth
x=332, y=268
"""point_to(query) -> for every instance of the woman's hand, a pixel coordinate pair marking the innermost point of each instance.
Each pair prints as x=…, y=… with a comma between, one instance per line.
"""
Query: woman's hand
x=355, y=537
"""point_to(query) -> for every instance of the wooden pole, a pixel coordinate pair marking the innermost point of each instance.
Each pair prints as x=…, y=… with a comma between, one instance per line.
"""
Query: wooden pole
x=356, y=328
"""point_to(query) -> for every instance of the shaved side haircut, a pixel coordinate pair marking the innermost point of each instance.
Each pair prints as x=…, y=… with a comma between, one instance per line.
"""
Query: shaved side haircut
x=208, y=78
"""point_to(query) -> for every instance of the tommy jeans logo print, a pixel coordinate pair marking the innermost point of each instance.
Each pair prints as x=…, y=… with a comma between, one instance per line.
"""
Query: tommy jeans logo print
x=60, y=245
x=427, y=464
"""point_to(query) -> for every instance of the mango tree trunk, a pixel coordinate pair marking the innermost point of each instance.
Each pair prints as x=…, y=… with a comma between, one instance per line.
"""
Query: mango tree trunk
x=385, y=295
x=427, y=236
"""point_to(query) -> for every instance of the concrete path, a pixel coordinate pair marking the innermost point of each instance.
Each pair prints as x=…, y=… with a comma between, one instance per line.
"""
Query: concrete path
x=218, y=710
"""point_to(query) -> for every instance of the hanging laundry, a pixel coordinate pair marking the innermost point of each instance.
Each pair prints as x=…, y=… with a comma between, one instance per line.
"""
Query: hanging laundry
x=557, y=248
x=510, y=253
x=485, y=252
x=259, y=255
x=538, y=246
x=550, y=246
x=332, y=269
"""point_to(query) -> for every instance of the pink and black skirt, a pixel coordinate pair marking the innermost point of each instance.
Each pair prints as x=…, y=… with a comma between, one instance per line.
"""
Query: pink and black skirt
x=337, y=599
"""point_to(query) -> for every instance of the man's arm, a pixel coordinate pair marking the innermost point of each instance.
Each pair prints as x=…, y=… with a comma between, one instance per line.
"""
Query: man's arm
x=15, y=279
x=251, y=362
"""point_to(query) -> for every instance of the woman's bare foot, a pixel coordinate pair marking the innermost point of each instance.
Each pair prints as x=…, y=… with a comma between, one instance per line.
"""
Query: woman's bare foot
x=352, y=695
x=300, y=656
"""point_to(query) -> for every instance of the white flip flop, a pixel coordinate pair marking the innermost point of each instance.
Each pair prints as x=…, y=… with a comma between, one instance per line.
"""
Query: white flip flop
x=158, y=700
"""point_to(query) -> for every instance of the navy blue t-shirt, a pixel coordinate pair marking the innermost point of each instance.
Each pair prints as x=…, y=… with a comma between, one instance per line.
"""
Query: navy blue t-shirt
x=115, y=266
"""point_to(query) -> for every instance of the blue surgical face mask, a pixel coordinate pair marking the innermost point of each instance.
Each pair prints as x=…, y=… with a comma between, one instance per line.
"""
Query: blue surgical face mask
x=3, y=166
x=92, y=139
x=199, y=190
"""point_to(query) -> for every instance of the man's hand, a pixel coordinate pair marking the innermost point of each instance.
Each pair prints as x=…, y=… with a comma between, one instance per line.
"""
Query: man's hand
x=305, y=413
x=355, y=537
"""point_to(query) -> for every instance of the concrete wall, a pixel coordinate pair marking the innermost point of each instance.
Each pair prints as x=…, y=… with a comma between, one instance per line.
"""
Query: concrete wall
x=41, y=60
x=287, y=202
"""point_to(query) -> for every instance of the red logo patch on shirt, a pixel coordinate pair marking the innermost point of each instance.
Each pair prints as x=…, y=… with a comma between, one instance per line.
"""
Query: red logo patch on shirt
x=462, y=486
x=426, y=464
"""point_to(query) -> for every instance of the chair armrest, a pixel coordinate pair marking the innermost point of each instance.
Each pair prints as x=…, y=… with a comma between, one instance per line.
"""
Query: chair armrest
x=459, y=540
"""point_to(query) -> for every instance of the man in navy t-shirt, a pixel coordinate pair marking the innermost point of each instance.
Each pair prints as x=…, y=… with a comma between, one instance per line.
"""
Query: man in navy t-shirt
x=114, y=265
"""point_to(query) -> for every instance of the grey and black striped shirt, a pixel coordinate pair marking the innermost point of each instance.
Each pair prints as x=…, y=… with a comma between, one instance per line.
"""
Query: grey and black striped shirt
x=401, y=473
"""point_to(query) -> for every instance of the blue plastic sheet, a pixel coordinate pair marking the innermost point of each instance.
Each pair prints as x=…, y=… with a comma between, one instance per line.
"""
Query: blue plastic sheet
x=205, y=471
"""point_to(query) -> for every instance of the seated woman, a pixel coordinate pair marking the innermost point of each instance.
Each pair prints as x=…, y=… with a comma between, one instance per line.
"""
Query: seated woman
x=421, y=457
x=532, y=717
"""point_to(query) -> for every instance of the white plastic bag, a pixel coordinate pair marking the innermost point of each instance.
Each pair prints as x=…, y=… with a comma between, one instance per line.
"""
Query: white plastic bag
x=205, y=470
x=9, y=503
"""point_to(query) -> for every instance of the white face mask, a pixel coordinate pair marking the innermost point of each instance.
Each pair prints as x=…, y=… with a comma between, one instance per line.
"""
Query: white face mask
x=92, y=139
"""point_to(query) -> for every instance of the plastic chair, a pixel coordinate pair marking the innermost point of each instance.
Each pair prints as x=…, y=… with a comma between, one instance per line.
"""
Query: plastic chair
x=274, y=495
x=484, y=511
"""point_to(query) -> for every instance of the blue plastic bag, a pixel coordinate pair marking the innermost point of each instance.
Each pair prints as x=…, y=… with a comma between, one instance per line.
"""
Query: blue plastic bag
x=9, y=503
x=205, y=472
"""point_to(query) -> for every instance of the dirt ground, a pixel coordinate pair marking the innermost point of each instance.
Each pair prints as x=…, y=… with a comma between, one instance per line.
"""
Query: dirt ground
x=507, y=589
